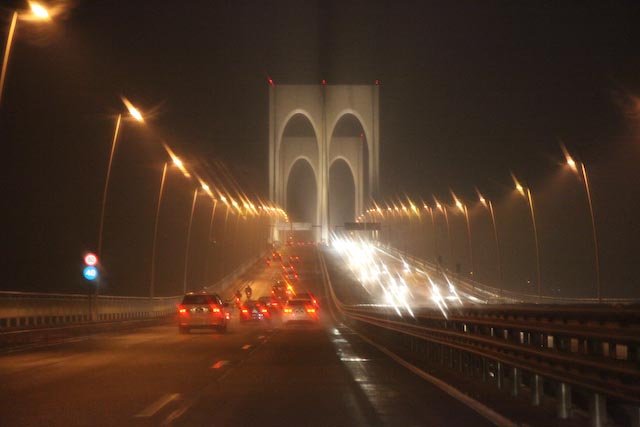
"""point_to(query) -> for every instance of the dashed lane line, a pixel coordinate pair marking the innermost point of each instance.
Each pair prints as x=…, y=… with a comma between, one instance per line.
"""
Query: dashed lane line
x=219, y=364
x=150, y=410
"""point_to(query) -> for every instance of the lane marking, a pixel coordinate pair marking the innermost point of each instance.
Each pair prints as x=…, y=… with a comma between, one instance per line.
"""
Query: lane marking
x=246, y=346
x=219, y=364
x=482, y=409
x=261, y=337
x=157, y=405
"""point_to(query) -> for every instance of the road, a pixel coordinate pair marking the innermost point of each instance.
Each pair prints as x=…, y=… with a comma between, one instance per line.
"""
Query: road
x=256, y=374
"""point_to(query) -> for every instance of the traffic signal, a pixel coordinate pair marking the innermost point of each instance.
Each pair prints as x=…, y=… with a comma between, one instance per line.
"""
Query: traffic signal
x=90, y=271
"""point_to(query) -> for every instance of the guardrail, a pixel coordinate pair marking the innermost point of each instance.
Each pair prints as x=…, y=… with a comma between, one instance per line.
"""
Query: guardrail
x=32, y=309
x=587, y=358
x=25, y=310
x=497, y=295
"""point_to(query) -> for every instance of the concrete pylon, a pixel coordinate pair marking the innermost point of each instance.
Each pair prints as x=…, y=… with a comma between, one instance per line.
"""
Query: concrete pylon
x=323, y=106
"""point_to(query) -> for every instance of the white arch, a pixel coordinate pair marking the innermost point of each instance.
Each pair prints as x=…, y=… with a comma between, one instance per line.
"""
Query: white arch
x=349, y=164
x=287, y=173
x=354, y=113
x=323, y=107
x=286, y=121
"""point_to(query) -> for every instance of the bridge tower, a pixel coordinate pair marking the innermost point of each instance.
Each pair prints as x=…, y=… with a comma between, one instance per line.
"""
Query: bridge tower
x=323, y=108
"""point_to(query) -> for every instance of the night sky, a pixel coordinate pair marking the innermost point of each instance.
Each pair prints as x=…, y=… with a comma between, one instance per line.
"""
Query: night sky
x=470, y=91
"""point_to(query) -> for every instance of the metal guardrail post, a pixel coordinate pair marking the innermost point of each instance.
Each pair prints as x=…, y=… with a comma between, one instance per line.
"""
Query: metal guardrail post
x=515, y=381
x=564, y=400
x=537, y=389
x=499, y=375
x=598, y=410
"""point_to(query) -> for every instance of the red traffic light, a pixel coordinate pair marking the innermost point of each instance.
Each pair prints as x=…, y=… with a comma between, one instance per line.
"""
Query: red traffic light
x=90, y=259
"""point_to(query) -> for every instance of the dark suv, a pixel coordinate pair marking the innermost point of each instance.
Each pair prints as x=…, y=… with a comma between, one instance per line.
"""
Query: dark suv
x=202, y=310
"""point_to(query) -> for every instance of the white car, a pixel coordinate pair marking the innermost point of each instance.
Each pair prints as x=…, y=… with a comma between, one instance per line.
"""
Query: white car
x=299, y=310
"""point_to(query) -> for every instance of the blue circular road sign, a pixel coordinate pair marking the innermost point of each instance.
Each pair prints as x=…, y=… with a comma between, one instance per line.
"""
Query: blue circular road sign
x=90, y=273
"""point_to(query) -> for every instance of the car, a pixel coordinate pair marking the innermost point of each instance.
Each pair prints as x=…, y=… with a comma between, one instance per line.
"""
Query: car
x=299, y=310
x=272, y=304
x=308, y=296
x=294, y=258
x=276, y=256
x=202, y=310
x=254, y=310
x=279, y=291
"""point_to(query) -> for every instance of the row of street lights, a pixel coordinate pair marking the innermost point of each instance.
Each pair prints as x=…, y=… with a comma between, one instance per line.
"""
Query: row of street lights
x=403, y=210
x=38, y=12
x=244, y=207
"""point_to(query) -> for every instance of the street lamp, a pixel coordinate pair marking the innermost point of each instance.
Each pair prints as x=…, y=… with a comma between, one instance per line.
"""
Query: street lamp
x=213, y=212
x=155, y=232
x=487, y=203
x=443, y=209
x=186, y=251
x=463, y=208
x=138, y=117
x=583, y=171
x=526, y=193
x=38, y=12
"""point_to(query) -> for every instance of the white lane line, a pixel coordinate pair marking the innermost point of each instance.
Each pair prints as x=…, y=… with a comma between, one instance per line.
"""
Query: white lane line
x=157, y=405
x=246, y=346
x=219, y=364
x=261, y=337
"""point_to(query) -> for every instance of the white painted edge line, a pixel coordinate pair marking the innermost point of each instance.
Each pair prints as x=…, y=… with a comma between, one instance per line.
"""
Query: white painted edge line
x=157, y=405
x=246, y=346
x=219, y=364
x=480, y=408
x=261, y=337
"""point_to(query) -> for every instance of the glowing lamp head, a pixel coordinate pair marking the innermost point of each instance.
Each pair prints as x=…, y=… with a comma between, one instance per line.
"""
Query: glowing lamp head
x=39, y=11
x=135, y=113
x=572, y=163
x=205, y=187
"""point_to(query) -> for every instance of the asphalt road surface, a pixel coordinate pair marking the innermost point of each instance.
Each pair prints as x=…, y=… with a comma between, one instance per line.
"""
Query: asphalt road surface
x=255, y=374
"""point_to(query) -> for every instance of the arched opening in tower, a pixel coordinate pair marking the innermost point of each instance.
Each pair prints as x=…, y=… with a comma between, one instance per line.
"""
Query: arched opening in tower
x=342, y=195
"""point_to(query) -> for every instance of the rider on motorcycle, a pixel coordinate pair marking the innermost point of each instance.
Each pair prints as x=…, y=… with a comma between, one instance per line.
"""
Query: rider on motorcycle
x=248, y=291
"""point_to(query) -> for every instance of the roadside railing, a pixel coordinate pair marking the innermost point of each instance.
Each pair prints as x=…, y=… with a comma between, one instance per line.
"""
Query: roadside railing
x=494, y=295
x=27, y=310
x=585, y=358
x=33, y=309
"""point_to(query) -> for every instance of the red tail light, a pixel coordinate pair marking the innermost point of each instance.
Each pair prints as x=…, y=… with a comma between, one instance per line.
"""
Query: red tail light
x=264, y=310
x=311, y=310
x=288, y=310
x=215, y=310
x=275, y=304
x=244, y=310
x=182, y=310
x=227, y=315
